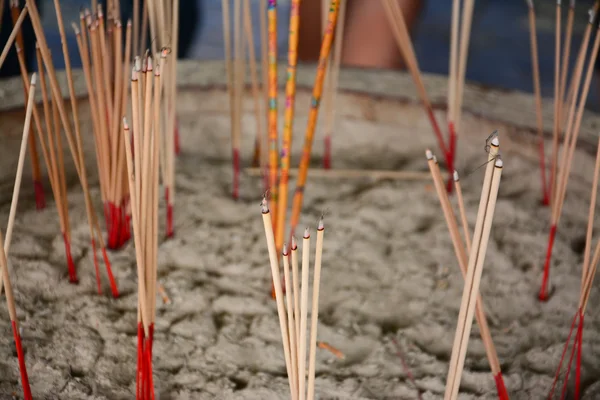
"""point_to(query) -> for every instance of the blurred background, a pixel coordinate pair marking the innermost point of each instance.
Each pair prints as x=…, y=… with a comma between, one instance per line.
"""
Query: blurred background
x=499, y=51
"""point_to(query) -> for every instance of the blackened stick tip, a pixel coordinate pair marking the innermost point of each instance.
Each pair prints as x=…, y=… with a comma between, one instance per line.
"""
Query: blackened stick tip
x=499, y=163
x=264, y=206
x=285, y=249
x=429, y=154
x=455, y=176
x=321, y=224
x=306, y=233
x=495, y=141
x=294, y=244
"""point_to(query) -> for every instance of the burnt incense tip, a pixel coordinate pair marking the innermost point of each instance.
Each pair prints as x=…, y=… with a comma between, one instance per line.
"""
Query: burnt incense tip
x=264, y=206
x=125, y=125
x=118, y=24
x=294, y=244
x=18, y=48
x=285, y=249
x=33, y=79
x=149, y=63
x=592, y=15
x=164, y=52
x=306, y=233
x=129, y=22
x=455, y=176
x=429, y=154
x=157, y=71
x=529, y=3
x=134, y=74
x=499, y=162
x=321, y=225
x=137, y=63
x=434, y=158
x=75, y=28
x=495, y=141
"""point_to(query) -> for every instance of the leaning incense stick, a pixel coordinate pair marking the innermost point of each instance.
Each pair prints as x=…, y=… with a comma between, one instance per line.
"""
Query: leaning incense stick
x=564, y=69
x=17, y=187
x=314, y=112
x=13, y=34
x=265, y=92
x=333, y=86
x=296, y=295
x=290, y=318
x=228, y=63
x=538, y=100
x=556, y=127
x=463, y=214
x=590, y=227
x=483, y=227
x=453, y=67
x=290, y=100
x=303, y=314
x=273, y=110
x=238, y=82
x=314, y=316
x=40, y=198
x=268, y=225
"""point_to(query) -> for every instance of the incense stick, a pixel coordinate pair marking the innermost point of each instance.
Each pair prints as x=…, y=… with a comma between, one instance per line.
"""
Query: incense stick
x=314, y=316
x=303, y=314
x=238, y=81
x=463, y=214
x=273, y=110
x=538, y=100
x=314, y=111
x=13, y=34
x=556, y=127
x=290, y=316
x=290, y=100
x=268, y=225
x=483, y=226
x=265, y=91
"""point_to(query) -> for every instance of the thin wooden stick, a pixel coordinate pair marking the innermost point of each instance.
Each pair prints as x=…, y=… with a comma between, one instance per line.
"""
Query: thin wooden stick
x=590, y=226
x=265, y=91
x=13, y=34
x=453, y=66
x=556, y=127
x=303, y=314
x=314, y=112
x=564, y=69
x=17, y=187
x=331, y=94
x=290, y=102
x=538, y=100
x=40, y=198
x=273, y=109
x=136, y=24
x=483, y=227
x=238, y=82
x=314, y=316
x=268, y=225
x=296, y=295
x=461, y=208
x=290, y=316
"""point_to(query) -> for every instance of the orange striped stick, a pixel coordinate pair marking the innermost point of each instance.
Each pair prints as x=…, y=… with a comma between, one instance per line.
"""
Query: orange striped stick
x=314, y=112
x=273, y=134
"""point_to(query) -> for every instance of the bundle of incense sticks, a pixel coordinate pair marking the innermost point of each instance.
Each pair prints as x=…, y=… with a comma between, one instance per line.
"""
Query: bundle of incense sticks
x=40, y=198
x=143, y=172
x=461, y=252
x=588, y=273
x=53, y=151
x=102, y=58
x=163, y=17
x=293, y=313
x=457, y=71
x=401, y=34
x=5, y=244
x=571, y=133
x=471, y=298
x=332, y=80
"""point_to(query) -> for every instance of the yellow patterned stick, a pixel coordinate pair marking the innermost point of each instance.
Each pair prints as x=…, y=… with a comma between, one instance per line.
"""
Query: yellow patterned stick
x=314, y=111
x=273, y=135
x=290, y=98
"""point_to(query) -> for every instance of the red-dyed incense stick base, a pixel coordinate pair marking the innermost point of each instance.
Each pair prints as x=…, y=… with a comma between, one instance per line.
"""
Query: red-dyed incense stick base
x=22, y=367
x=327, y=154
x=176, y=138
x=544, y=294
x=502, y=392
x=256, y=154
x=40, y=197
x=111, y=278
x=96, y=268
x=562, y=357
x=70, y=263
x=170, y=230
x=578, y=342
x=139, y=376
x=111, y=226
x=236, y=174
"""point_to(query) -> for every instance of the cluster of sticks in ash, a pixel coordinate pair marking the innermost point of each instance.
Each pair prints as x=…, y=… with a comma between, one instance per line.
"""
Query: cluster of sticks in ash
x=295, y=308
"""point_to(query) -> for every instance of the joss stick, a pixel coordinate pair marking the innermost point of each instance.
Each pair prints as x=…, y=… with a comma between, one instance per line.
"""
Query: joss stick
x=228, y=62
x=590, y=227
x=296, y=295
x=136, y=24
x=314, y=316
x=265, y=92
x=290, y=100
x=538, y=100
x=314, y=111
x=453, y=68
x=144, y=30
x=400, y=30
x=105, y=63
x=13, y=34
x=481, y=235
x=258, y=106
x=461, y=255
x=557, y=106
x=303, y=314
x=461, y=208
x=238, y=85
x=53, y=169
x=17, y=187
x=40, y=199
x=564, y=69
x=572, y=132
x=290, y=316
x=12, y=311
x=273, y=133
x=171, y=121
x=268, y=225
x=333, y=86
x=78, y=157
